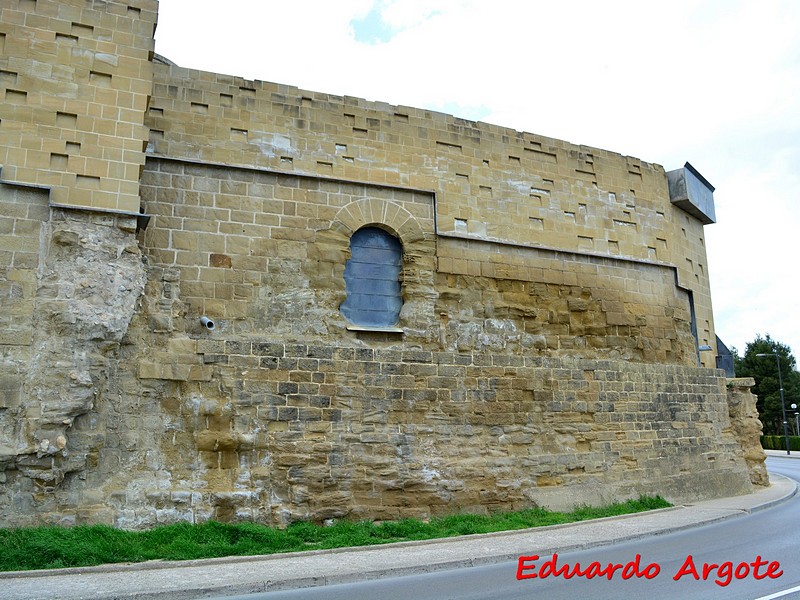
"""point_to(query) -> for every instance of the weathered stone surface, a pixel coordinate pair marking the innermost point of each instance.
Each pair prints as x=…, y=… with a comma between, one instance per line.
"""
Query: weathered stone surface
x=543, y=354
x=92, y=289
x=747, y=427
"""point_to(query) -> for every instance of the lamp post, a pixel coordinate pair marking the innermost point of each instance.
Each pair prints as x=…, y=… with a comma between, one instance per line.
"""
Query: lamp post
x=783, y=405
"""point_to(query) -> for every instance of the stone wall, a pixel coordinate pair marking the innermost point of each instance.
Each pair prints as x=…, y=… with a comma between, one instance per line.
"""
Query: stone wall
x=75, y=80
x=747, y=427
x=489, y=183
x=86, y=288
x=264, y=252
x=278, y=432
x=23, y=215
x=543, y=355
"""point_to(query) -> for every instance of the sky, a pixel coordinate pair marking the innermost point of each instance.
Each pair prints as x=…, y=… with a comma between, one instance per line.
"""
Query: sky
x=712, y=82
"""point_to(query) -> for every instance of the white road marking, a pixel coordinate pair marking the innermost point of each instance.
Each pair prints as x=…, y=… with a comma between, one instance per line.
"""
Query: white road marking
x=780, y=594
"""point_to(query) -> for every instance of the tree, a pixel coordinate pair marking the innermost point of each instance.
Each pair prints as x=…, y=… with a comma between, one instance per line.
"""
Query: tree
x=764, y=369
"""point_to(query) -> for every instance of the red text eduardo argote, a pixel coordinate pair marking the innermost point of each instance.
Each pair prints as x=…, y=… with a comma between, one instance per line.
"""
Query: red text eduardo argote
x=531, y=567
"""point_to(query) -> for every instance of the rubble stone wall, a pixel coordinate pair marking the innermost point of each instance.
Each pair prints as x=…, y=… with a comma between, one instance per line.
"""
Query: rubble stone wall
x=543, y=355
x=747, y=427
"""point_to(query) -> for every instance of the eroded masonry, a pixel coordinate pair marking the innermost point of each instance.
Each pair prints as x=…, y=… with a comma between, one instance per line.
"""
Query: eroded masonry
x=232, y=299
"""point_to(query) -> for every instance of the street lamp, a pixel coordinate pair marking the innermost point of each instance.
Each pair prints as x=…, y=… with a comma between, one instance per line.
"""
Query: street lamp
x=783, y=405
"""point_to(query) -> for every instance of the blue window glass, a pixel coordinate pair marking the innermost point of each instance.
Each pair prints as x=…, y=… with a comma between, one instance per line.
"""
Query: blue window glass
x=372, y=279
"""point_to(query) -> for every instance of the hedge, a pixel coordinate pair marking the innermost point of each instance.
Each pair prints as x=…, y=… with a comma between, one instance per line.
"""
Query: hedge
x=778, y=442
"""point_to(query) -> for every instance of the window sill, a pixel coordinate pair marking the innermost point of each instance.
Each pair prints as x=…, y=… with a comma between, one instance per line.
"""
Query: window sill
x=375, y=329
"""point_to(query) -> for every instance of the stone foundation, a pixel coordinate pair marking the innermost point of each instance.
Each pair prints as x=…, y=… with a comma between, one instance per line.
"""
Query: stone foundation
x=277, y=432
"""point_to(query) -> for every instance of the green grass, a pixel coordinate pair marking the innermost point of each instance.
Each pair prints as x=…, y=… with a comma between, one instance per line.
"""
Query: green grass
x=56, y=547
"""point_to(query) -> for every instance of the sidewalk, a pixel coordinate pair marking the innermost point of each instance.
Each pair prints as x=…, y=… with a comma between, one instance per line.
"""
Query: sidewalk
x=782, y=453
x=242, y=575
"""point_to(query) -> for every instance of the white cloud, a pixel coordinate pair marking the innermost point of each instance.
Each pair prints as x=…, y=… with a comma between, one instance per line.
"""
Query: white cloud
x=715, y=82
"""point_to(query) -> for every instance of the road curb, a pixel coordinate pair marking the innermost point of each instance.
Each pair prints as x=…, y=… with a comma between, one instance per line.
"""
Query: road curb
x=770, y=503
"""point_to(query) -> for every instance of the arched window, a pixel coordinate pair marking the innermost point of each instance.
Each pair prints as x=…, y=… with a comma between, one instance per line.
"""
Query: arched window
x=372, y=279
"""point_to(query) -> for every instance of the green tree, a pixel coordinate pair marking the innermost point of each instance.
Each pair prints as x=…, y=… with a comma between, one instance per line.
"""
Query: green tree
x=764, y=369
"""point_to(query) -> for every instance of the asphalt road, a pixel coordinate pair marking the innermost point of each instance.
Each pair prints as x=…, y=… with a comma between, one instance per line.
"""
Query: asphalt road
x=741, y=549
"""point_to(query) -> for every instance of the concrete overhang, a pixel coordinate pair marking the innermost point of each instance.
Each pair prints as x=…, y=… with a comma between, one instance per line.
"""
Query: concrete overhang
x=690, y=191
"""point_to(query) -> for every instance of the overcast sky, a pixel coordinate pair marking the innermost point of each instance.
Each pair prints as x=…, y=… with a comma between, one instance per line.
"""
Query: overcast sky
x=712, y=82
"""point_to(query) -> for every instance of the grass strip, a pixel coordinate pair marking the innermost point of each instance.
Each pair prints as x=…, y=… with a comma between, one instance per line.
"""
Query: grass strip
x=57, y=547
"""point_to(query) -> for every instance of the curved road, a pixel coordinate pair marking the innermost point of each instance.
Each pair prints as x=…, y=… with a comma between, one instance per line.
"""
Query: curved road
x=767, y=536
